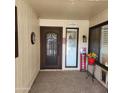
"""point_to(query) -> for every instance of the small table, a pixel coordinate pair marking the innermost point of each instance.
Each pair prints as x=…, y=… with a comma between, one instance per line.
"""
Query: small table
x=93, y=70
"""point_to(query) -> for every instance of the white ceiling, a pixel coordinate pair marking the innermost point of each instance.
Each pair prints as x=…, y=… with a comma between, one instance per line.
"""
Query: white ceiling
x=68, y=9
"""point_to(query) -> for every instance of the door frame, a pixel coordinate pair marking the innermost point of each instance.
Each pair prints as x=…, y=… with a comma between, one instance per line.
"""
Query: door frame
x=60, y=46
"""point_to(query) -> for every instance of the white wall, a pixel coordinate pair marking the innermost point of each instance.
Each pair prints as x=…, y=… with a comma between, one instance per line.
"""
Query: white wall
x=99, y=18
x=83, y=30
x=27, y=65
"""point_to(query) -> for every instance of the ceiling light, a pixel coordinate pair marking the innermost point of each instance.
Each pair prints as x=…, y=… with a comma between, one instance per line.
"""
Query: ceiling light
x=97, y=0
x=72, y=1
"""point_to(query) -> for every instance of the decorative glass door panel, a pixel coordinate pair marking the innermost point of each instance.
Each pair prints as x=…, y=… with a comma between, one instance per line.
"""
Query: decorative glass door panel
x=51, y=48
x=71, y=47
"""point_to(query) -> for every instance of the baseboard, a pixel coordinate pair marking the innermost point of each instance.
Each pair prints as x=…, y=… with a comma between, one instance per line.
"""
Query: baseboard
x=56, y=70
x=32, y=81
x=51, y=70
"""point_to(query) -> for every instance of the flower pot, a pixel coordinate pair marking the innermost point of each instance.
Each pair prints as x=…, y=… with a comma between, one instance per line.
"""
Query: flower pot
x=91, y=61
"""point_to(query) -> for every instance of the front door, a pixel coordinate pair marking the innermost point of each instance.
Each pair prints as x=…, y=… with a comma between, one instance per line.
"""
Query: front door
x=51, y=47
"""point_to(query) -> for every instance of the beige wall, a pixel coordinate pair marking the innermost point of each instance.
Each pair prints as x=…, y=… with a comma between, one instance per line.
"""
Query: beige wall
x=28, y=63
x=99, y=18
x=83, y=30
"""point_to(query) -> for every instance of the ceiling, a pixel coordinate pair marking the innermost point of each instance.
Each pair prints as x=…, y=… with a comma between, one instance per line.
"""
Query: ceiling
x=68, y=9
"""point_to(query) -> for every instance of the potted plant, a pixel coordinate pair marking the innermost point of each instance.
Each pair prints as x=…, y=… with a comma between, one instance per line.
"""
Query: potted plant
x=91, y=57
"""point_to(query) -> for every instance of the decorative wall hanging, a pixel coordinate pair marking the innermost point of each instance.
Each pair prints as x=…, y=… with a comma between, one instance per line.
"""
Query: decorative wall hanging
x=33, y=38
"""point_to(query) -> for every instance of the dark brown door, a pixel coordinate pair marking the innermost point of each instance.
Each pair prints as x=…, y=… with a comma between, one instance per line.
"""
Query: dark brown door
x=51, y=47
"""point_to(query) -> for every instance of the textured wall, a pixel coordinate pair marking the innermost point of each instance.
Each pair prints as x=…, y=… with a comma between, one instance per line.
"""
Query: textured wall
x=28, y=63
x=83, y=30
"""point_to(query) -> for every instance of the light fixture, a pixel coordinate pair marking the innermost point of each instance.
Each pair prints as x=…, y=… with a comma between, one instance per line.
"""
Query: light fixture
x=84, y=39
x=97, y=0
x=74, y=1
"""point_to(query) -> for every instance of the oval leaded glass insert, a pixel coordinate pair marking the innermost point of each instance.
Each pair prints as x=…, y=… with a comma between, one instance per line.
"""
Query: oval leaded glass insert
x=51, y=44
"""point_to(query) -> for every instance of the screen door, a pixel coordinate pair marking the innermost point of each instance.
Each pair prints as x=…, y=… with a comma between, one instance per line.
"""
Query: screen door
x=71, y=47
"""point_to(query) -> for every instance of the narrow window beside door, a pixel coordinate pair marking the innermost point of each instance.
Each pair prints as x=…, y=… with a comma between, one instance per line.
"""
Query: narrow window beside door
x=71, y=47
